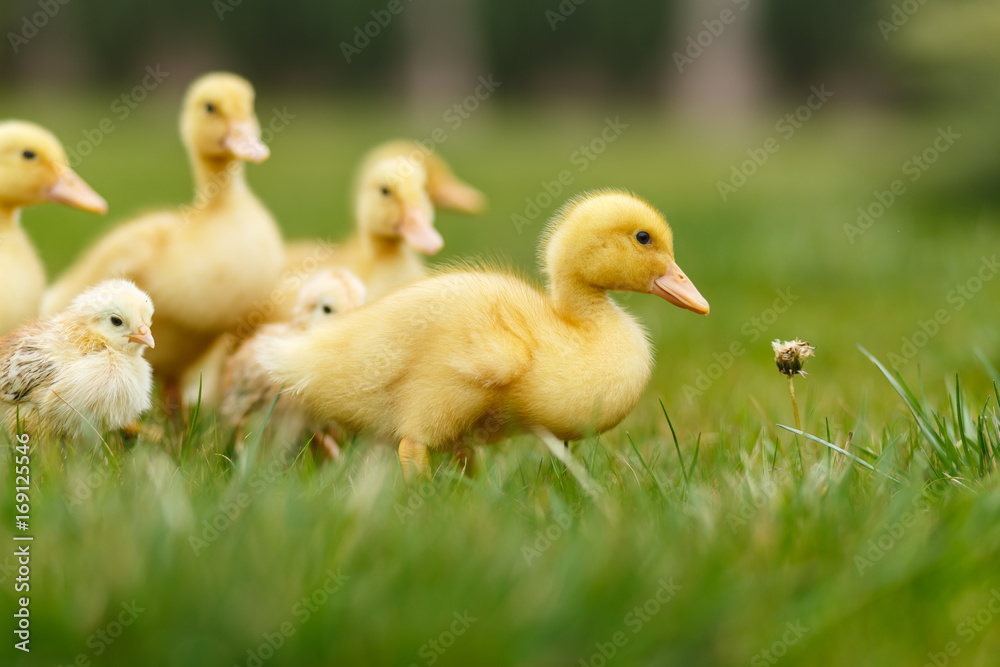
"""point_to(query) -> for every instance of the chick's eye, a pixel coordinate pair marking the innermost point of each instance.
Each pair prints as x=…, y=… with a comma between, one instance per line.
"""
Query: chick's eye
x=643, y=238
x=116, y=321
x=29, y=154
x=328, y=310
x=385, y=191
x=210, y=108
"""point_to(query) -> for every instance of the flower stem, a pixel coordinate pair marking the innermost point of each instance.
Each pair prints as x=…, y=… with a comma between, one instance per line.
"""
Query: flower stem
x=795, y=404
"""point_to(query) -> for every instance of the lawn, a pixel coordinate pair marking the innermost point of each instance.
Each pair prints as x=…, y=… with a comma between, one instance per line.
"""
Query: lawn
x=733, y=542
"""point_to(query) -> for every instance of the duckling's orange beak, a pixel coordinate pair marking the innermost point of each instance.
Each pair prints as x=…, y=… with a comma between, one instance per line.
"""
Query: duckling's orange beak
x=71, y=190
x=675, y=287
x=243, y=141
x=458, y=196
x=143, y=336
x=418, y=231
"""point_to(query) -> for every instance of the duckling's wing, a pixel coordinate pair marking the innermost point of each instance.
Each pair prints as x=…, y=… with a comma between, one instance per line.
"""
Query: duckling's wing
x=497, y=349
x=26, y=364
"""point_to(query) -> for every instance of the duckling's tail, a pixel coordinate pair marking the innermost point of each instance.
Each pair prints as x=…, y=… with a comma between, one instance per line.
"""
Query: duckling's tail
x=286, y=360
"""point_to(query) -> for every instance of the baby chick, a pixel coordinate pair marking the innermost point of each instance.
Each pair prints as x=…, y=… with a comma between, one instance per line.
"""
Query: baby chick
x=32, y=170
x=246, y=385
x=83, y=370
x=471, y=355
x=209, y=265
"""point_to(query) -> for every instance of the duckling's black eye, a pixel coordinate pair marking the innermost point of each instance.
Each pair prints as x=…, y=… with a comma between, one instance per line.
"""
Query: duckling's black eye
x=210, y=108
x=328, y=310
x=116, y=321
x=643, y=238
x=29, y=154
x=385, y=191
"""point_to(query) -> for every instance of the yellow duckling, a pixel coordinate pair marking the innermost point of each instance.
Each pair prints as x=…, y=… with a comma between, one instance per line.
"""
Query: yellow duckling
x=474, y=354
x=32, y=170
x=208, y=265
x=246, y=386
x=395, y=192
x=81, y=372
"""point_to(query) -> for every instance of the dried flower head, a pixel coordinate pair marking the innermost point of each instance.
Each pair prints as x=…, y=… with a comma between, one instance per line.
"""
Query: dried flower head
x=790, y=355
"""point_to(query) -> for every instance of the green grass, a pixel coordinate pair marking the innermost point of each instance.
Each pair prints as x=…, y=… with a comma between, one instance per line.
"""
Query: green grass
x=741, y=526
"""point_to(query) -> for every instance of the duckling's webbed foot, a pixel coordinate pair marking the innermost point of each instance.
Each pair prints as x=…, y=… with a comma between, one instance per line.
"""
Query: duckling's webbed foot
x=414, y=458
x=326, y=446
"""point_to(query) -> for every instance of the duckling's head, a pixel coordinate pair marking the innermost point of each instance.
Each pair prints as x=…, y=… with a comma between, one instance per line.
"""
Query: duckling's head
x=613, y=240
x=328, y=293
x=218, y=121
x=33, y=169
x=116, y=312
x=393, y=204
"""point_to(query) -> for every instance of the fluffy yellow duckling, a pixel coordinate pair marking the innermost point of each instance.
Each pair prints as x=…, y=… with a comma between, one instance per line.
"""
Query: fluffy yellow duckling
x=82, y=371
x=246, y=385
x=32, y=170
x=208, y=265
x=473, y=354
x=395, y=192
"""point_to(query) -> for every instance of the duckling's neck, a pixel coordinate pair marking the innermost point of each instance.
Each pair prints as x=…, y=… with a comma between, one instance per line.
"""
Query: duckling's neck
x=377, y=246
x=217, y=182
x=10, y=218
x=580, y=302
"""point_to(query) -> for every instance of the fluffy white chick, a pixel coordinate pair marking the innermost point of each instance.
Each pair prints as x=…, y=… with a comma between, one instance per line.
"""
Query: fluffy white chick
x=83, y=371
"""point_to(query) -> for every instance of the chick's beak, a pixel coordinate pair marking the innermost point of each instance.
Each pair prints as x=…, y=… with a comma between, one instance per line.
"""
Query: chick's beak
x=143, y=337
x=71, y=190
x=243, y=141
x=418, y=231
x=675, y=287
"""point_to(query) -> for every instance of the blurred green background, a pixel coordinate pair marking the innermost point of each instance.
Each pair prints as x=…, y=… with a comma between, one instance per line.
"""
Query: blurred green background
x=701, y=101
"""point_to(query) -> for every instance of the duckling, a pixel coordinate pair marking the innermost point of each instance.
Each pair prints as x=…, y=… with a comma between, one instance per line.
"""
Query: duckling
x=395, y=192
x=245, y=384
x=473, y=355
x=32, y=170
x=83, y=370
x=208, y=265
